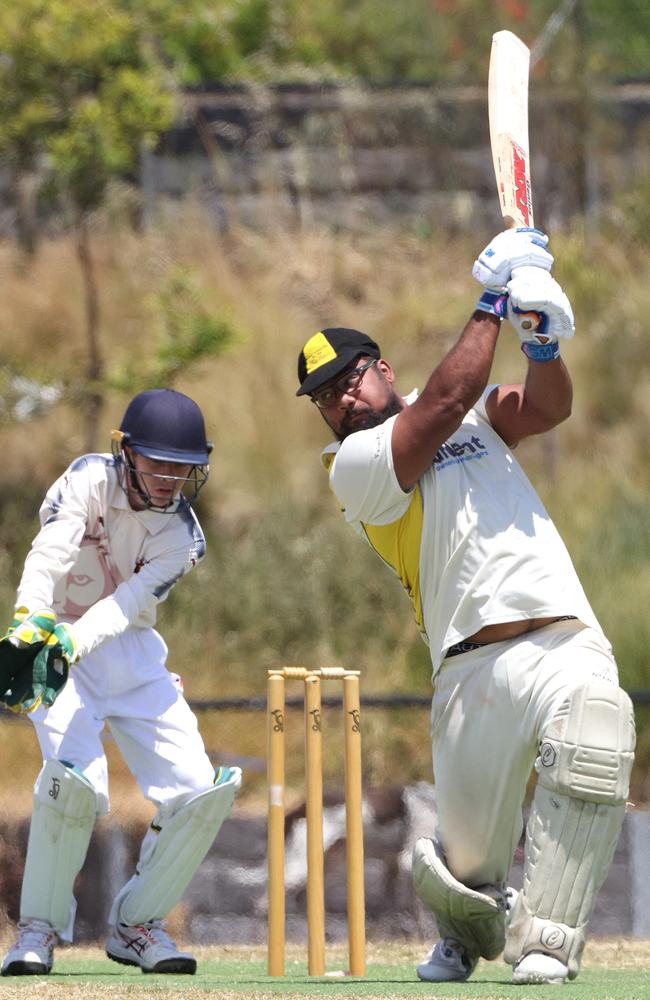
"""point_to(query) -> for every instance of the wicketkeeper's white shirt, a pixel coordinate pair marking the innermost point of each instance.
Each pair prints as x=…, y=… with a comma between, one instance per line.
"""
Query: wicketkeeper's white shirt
x=471, y=543
x=99, y=564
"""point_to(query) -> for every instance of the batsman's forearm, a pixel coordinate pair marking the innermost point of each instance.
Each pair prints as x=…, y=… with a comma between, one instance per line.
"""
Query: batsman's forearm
x=460, y=378
x=451, y=390
x=548, y=392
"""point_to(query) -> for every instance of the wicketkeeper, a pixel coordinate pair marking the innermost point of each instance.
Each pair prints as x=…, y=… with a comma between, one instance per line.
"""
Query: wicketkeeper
x=117, y=533
x=523, y=675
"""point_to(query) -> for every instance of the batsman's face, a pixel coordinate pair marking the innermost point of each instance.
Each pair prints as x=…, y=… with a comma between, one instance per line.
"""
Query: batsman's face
x=368, y=404
x=160, y=481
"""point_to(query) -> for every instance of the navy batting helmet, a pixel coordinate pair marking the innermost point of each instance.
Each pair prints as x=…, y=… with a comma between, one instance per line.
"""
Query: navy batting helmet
x=163, y=425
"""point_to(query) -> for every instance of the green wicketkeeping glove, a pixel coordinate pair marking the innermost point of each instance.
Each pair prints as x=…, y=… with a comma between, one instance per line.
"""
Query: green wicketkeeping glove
x=50, y=670
x=25, y=636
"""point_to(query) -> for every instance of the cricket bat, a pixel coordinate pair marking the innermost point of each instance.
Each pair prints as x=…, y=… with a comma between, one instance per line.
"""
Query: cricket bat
x=508, y=116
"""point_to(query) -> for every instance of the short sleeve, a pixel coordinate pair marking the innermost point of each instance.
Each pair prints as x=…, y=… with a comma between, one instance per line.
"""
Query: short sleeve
x=363, y=478
x=480, y=406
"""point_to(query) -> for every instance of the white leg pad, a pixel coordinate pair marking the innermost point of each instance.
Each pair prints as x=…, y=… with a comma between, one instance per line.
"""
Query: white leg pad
x=172, y=851
x=584, y=766
x=65, y=809
x=474, y=917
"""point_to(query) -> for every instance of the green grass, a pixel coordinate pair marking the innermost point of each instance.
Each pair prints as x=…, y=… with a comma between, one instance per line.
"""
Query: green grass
x=610, y=971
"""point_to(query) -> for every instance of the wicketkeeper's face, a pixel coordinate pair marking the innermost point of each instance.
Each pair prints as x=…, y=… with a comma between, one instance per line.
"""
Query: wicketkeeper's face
x=161, y=482
x=362, y=396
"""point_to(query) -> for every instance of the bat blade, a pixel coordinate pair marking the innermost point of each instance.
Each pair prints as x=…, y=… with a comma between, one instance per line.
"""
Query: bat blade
x=508, y=116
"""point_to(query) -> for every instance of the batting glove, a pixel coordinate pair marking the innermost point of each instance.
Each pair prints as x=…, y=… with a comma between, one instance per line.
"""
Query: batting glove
x=540, y=312
x=25, y=636
x=493, y=302
x=508, y=251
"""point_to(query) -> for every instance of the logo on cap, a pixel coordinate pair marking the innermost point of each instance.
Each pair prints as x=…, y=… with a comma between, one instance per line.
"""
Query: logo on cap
x=317, y=352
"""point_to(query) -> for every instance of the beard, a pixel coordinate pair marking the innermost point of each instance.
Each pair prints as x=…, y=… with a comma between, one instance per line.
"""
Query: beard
x=362, y=420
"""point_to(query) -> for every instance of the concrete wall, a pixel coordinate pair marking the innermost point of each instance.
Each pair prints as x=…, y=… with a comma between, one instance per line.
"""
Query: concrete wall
x=352, y=155
x=269, y=156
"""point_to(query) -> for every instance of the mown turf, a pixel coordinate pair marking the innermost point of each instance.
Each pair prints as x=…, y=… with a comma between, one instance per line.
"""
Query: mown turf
x=611, y=972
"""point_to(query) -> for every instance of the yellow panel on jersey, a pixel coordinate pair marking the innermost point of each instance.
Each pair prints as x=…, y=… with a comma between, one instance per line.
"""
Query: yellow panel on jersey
x=398, y=544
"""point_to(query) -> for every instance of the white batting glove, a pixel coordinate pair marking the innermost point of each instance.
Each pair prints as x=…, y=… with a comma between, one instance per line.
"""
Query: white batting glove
x=508, y=251
x=540, y=312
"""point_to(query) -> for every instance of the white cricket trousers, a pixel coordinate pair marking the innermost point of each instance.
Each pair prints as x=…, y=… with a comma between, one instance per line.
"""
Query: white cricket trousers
x=125, y=682
x=490, y=708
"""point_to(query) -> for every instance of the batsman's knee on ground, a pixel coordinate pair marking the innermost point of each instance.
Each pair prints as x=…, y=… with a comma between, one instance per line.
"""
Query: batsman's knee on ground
x=474, y=917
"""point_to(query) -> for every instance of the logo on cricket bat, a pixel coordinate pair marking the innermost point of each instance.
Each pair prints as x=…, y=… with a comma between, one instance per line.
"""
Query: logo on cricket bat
x=521, y=182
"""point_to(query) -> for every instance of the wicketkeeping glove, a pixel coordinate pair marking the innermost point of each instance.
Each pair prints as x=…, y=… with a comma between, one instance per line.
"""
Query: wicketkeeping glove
x=25, y=636
x=540, y=312
x=43, y=680
x=512, y=249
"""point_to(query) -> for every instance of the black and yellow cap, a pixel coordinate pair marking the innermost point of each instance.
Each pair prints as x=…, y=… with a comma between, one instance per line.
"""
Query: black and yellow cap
x=329, y=352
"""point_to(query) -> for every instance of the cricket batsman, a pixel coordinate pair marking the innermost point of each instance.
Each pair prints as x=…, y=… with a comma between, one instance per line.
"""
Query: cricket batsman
x=523, y=676
x=117, y=533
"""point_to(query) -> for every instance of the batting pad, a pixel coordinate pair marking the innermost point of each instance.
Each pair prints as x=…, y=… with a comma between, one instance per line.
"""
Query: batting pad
x=172, y=851
x=65, y=809
x=584, y=766
x=472, y=917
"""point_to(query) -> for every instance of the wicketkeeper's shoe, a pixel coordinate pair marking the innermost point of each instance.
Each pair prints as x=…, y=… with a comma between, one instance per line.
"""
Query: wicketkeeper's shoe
x=449, y=962
x=150, y=947
x=33, y=952
x=538, y=967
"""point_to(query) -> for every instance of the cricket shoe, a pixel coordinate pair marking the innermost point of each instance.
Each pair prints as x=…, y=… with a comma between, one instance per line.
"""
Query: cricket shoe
x=449, y=962
x=538, y=967
x=33, y=952
x=150, y=947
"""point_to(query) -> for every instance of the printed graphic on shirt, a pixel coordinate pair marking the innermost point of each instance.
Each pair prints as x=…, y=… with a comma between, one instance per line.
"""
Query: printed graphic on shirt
x=93, y=576
x=453, y=452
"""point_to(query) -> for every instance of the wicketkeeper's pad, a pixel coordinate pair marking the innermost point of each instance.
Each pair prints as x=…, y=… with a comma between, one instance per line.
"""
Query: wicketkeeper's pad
x=584, y=766
x=172, y=850
x=65, y=808
x=471, y=916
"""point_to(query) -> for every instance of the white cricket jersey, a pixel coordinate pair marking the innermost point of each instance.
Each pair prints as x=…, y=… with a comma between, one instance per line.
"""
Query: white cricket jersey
x=99, y=564
x=471, y=543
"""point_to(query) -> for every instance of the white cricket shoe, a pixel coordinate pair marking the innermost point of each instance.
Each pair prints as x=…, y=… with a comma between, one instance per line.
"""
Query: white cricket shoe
x=150, y=947
x=33, y=952
x=448, y=962
x=538, y=967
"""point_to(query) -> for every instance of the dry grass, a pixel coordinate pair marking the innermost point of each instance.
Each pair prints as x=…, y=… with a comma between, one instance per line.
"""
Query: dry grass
x=285, y=581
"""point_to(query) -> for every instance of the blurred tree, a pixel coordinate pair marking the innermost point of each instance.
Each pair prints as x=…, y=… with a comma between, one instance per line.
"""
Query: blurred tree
x=445, y=41
x=187, y=330
x=85, y=87
x=81, y=92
